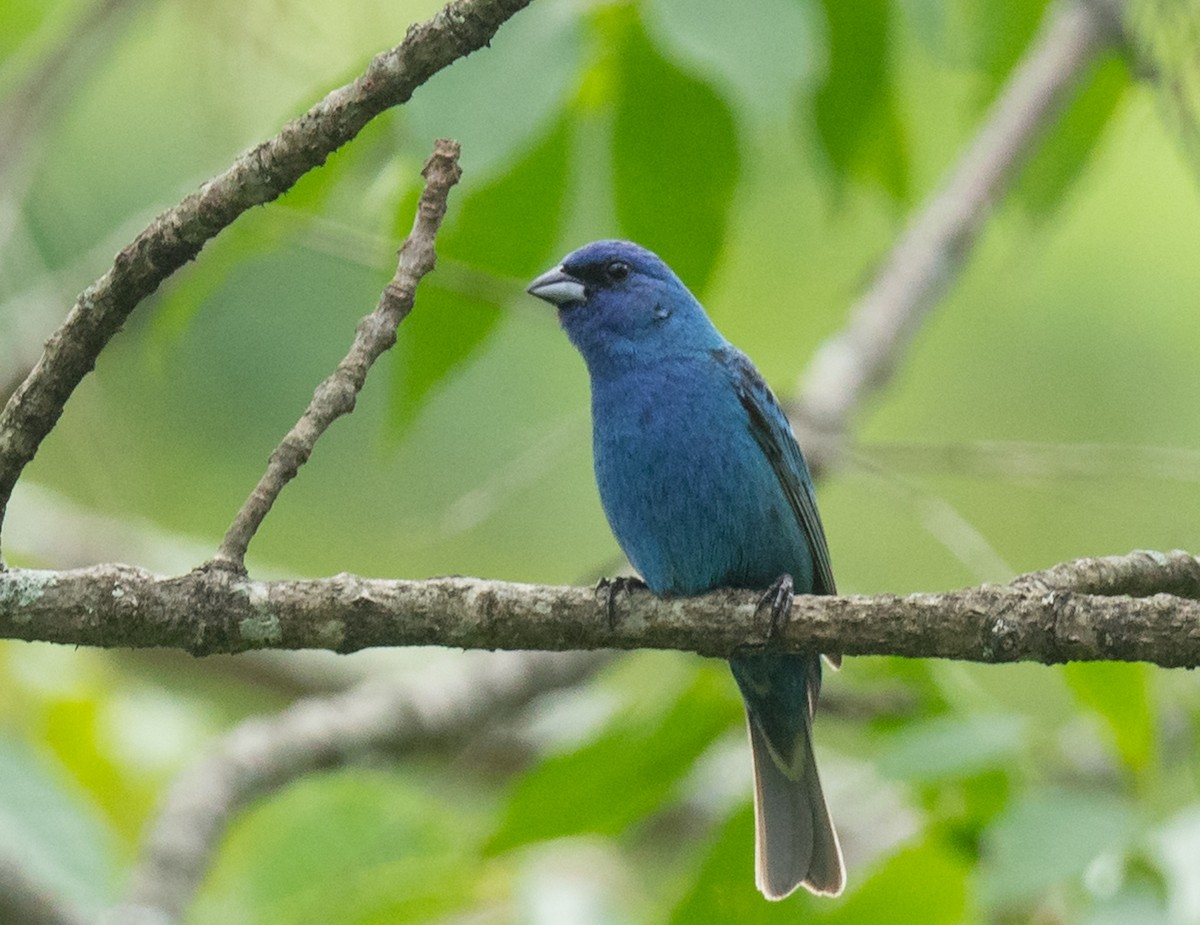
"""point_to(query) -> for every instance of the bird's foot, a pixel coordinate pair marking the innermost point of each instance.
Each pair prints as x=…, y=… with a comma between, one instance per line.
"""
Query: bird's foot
x=613, y=588
x=778, y=598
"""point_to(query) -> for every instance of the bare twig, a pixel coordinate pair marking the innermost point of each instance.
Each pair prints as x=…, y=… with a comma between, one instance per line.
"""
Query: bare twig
x=258, y=176
x=262, y=754
x=1050, y=617
x=936, y=243
x=26, y=901
x=376, y=333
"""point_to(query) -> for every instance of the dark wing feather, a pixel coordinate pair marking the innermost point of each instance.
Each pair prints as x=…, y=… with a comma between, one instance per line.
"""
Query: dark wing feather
x=771, y=431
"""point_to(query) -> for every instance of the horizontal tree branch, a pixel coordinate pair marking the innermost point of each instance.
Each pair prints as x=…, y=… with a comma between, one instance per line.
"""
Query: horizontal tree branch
x=1063, y=614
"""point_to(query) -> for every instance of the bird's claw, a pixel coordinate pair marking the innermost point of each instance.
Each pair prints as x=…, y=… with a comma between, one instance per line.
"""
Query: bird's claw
x=778, y=598
x=613, y=588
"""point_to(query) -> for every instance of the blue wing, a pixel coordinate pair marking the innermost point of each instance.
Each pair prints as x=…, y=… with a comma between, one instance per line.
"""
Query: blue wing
x=769, y=426
x=796, y=843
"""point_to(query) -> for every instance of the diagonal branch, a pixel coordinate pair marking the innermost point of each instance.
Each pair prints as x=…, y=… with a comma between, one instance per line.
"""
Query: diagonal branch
x=257, y=177
x=376, y=333
x=1060, y=615
x=25, y=900
x=935, y=245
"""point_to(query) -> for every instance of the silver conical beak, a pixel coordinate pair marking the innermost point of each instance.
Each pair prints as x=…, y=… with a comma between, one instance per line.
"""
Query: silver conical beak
x=557, y=287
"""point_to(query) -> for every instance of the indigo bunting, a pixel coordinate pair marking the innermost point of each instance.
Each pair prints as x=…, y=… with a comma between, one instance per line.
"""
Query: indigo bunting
x=705, y=487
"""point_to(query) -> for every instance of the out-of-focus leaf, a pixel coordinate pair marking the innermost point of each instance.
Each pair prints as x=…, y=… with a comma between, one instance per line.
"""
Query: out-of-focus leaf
x=999, y=34
x=188, y=292
x=1049, y=836
x=496, y=102
x=1062, y=156
x=977, y=800
x=444, y=330
x=724, y=888
x=1120, y=693
x=50, y=827
x=351, y=848
x=1137, y=905
x=764, y=49
x=984, y=36
x=510, y=225
x=508, y=228
x=1166, y=34
x=262, y=231
x=72, y=730
x=675, y=156
x=855, y=107
x=21, y=20
x=951, y=746
x=624, y=775
x=1176, y=847
x=923, y=883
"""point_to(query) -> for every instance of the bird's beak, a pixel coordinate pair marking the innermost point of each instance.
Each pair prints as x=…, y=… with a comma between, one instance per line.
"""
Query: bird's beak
x=558, y=287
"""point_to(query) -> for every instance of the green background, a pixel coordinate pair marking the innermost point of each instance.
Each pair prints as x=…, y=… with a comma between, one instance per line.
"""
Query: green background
x=771, y=152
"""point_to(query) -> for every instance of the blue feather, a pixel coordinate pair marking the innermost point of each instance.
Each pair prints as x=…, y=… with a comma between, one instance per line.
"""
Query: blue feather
x=705, y=487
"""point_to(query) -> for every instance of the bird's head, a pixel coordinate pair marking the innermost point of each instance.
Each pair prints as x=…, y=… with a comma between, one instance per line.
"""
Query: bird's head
x=616, y=300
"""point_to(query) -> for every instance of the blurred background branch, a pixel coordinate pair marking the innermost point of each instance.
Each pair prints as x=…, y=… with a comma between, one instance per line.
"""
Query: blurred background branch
x=26, y=901
x=937, y=242
x=266, y=753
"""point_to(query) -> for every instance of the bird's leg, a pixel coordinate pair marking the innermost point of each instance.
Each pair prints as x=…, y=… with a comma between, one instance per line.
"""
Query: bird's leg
x=613, y=587
x=778, y=598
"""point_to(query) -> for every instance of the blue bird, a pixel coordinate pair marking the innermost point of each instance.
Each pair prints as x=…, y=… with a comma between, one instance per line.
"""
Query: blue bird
x=704, y=487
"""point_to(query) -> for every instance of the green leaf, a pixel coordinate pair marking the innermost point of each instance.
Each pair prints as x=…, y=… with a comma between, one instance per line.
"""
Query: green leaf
x=952, y=747
x=1164, y=35
x=510, y=226
x=50, y=825
x=1121, y=693
x=358, y=846
x=261, y=232
x=855, y=107
x=1063, y=154
x=1135, y=904
x=498, y=101
x=1000, y=33
x=924, y=883
x=624, y=775
x=508, y=229
x=675, y=158
x=982, y=35
x=74, y=731
x=763, y=50
x=724, y=890
x=444, y=329
x=22, y=19
x=1050, y=836
x=187, y=293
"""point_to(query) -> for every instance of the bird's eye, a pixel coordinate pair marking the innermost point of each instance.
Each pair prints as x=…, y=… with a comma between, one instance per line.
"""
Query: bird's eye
x=617, y=270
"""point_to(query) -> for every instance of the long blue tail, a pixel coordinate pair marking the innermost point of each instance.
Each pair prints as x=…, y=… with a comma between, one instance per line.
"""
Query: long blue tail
x=795, y=841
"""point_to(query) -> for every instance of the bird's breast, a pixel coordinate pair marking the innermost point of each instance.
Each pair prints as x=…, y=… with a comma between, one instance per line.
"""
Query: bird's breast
x=688, y=493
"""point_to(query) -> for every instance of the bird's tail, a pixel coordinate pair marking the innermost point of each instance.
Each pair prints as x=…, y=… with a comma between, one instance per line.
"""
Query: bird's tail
x=795, y=843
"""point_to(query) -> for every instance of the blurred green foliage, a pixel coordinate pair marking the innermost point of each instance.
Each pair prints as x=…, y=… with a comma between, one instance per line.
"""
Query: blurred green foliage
x=771, y=152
